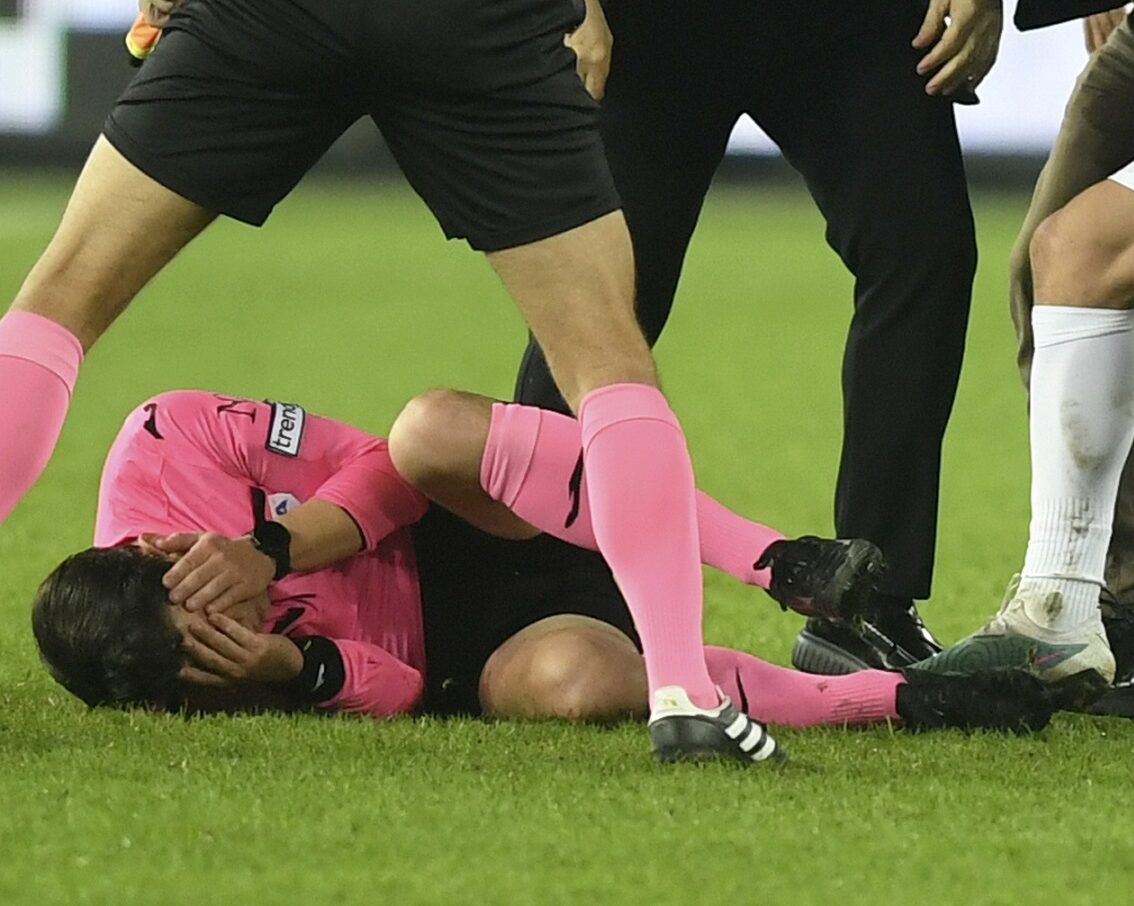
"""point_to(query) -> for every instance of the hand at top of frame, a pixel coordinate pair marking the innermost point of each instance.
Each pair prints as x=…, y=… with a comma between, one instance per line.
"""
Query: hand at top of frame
x=591, y=42
x=157, y=12
x=1097, y=28
x=963, y=37
x=213, y=572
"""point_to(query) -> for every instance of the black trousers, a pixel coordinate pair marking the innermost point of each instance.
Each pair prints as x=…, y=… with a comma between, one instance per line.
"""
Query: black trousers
x=834, y=85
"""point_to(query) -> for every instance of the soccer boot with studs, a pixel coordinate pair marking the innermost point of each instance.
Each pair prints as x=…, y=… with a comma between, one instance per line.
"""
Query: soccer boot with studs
x=681, y=731
x=1010, y=700
x=1012, y=639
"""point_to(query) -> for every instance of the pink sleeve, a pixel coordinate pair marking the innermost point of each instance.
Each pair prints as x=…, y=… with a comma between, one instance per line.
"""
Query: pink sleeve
x=376, y=683
x=281, y=447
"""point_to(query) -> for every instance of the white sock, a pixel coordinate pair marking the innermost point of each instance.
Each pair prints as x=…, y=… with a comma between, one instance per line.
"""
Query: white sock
x=1082, y=426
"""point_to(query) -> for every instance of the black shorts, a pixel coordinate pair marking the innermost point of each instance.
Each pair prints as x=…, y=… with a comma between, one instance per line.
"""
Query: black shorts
x=477, y=591
x=478, y=101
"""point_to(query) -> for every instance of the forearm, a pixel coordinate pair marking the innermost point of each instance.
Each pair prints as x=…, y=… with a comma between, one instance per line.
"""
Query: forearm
x=322, y=533
x=377, y=499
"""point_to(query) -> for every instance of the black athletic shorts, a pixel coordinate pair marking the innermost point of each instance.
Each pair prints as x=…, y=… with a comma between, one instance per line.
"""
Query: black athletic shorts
x=478, y=100
x=477, y=591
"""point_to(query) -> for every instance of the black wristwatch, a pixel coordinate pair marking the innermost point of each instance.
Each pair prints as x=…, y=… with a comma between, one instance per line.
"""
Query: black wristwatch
x=273, y=539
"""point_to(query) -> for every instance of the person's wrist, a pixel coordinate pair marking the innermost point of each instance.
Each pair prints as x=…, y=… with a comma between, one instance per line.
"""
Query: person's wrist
x=291, y=660
x=323, y=671
x=274, y=540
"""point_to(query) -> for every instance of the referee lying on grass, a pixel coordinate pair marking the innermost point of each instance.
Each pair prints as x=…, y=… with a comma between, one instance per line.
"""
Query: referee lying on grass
x=250, y=553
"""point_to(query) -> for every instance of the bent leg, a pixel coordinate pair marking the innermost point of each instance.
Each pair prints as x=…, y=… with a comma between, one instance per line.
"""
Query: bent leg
x=578, y=668
x=1082, y=406
x=511, y=470
x=1081, y=430
x=119, y=229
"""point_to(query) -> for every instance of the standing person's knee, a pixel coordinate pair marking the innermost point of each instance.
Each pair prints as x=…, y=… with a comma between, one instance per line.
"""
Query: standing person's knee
x=1020, y=260
x=1083, y=254
x=1052, y=253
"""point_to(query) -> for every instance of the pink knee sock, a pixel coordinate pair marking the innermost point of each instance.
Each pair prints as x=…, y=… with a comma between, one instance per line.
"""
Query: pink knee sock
x=776, y=695
x=529, y=463
x=644, y=515
x=39, y=362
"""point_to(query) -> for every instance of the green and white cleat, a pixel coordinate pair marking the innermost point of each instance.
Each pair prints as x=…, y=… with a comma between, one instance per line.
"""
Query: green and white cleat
x=1013, y=640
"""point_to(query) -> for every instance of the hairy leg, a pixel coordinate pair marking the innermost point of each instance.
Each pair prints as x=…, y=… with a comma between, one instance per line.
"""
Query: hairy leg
x=576, y=291
x=1082, y=406
x=119, y=229
x=1095, y=139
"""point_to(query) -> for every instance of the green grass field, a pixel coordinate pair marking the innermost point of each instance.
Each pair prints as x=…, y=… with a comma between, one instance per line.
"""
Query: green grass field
x=349, y=302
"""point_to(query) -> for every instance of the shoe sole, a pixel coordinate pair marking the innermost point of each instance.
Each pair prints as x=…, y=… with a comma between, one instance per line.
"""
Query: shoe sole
x=813, y=654
x=1116, y=702
x=686, y=740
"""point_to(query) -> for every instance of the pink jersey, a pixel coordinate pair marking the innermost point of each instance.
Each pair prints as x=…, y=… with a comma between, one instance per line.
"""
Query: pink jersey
x=195, y=461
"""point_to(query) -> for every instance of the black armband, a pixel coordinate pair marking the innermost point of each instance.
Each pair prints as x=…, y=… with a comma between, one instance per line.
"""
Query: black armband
x=323, y=673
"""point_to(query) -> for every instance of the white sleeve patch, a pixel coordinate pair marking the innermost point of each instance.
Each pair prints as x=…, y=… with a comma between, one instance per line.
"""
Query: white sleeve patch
x=282, y=504
x=285, y=433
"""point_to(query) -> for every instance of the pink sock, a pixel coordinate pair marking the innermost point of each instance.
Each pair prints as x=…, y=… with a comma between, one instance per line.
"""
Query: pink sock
x=644, y=515
x=530, y=459
x=39, y=362
x=776, y=695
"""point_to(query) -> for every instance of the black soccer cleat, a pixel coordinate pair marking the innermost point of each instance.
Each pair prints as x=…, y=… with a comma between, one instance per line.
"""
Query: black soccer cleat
x=1118, y=621
x=1006, y=700
x=820, y=577
x=680, y=731
x=891, y=636
x=1115, y=701
x=1084, y=691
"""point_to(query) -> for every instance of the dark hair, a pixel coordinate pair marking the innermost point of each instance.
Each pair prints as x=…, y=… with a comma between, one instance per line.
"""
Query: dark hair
x=101, y=620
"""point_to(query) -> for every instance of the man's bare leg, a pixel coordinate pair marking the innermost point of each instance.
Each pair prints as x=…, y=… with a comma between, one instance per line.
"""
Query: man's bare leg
x=576, y=291
x=1082, y=427
x=119, y=229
